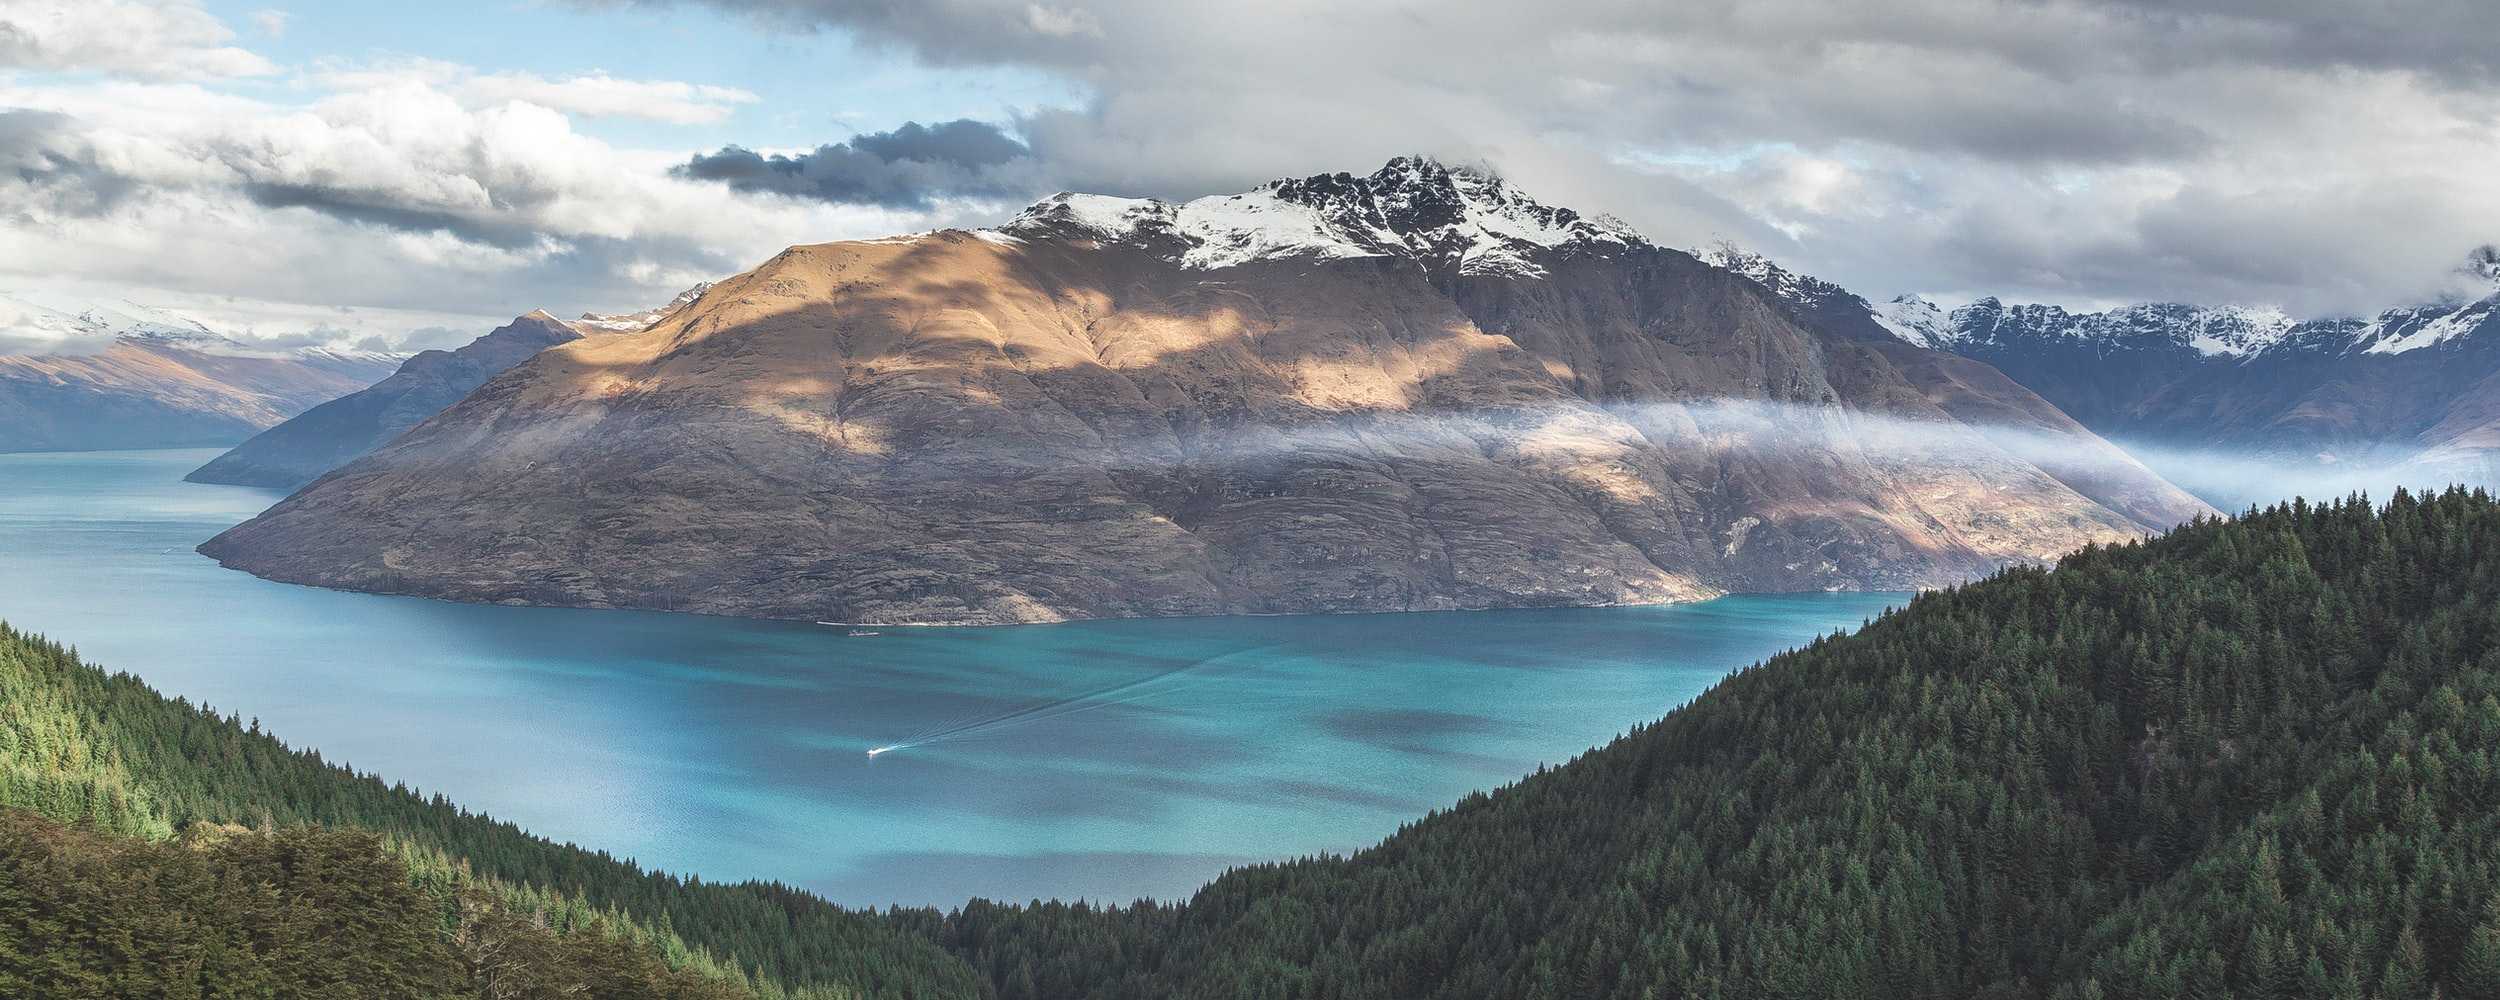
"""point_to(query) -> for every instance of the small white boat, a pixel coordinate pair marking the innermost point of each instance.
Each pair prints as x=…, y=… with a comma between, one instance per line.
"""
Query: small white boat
x=862, y=633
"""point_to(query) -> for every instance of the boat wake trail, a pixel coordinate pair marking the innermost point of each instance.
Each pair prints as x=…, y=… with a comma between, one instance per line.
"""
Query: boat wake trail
x=1121, y=693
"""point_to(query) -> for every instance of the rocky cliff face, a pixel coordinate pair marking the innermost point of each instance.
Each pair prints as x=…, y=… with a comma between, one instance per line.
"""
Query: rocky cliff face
x=336, y=432
x=1415, y=389
x=159, y=392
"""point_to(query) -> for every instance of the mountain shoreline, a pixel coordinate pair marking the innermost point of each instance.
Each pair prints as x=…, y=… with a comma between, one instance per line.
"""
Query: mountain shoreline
x=1703, y=599
x=1408, y=391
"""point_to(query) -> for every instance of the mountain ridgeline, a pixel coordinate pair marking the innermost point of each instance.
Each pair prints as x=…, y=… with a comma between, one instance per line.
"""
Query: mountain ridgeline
x=2407, y=395
x=1416, y=389
x=2256, y=757
x=337, y=432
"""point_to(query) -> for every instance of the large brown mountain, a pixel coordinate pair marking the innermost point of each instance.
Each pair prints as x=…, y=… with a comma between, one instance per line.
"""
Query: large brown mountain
x=1416, y=389
x=160, y=392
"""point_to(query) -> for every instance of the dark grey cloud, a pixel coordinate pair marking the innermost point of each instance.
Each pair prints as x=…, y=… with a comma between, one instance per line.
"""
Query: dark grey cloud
x=50, y=167
x=909, y=167
x=501, y=225
x=47, y=167
x=1974, y=68
x=2450, y=39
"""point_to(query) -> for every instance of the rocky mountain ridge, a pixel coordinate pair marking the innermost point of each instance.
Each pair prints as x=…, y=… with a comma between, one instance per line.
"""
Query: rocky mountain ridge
x=1451, y=219
x=337, y=431
x=2411, y=393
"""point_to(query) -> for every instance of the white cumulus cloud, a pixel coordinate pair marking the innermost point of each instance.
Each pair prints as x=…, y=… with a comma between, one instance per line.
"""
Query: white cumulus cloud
x=154, y=39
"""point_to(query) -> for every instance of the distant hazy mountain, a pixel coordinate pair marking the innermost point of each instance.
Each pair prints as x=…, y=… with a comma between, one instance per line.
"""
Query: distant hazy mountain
x=157, y=381
x=1413, y=389
x=336, y=432
x=2411, y=393
x=339, y=431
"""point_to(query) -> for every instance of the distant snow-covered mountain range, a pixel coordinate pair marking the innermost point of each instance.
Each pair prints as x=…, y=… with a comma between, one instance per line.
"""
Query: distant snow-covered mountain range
x=48, y=325
x=80, y=374
x=2202, y=392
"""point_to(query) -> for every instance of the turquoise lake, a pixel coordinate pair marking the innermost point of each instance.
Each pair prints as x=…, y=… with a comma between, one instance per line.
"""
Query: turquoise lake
x=1129, y=758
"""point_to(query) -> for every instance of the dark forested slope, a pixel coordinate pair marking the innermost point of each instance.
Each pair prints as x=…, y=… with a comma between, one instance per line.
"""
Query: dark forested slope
x=296, y=913
x=2254, y=758
x=103, y=751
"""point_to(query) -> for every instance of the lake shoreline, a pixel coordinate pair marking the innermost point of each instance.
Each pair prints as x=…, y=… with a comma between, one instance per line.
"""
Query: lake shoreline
x=1095, y=759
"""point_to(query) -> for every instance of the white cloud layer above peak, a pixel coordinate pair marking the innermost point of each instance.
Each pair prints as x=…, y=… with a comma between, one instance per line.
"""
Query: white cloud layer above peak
x=2301, y=153
x=2313, y=153
x=592, y=95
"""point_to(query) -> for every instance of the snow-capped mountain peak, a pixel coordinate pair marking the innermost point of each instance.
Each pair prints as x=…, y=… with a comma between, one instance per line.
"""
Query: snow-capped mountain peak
x=1799, y=289
x=40, y=324
x=1915, y=320
x=2399, y=330
x=1456, y=219
x=2211, y=331
x=639, y=320
x=1908, y=317
x=33, y=320
x=2468, y=306
x=2235, y=331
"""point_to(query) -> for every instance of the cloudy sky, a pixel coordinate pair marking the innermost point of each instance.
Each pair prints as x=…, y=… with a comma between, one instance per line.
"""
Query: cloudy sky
x=413, y=174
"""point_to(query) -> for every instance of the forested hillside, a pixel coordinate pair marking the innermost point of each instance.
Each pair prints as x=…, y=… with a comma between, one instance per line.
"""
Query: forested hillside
x=132, y=770
x=302, y=912
x=2253, y=758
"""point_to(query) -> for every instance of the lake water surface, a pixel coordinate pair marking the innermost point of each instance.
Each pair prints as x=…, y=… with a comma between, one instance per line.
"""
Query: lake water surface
x=1129, y=758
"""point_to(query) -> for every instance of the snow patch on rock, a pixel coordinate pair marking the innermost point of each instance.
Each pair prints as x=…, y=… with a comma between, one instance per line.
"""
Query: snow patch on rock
x=1457, y=219
x=1915, y=320
x=638, y=321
